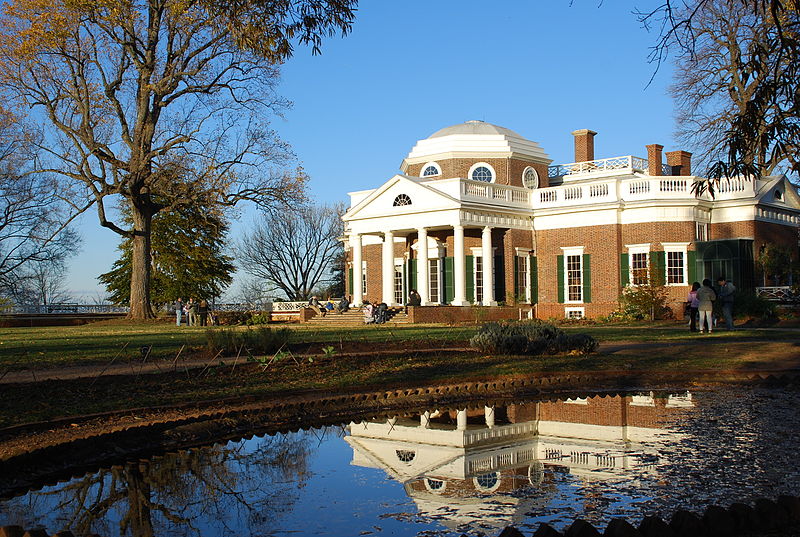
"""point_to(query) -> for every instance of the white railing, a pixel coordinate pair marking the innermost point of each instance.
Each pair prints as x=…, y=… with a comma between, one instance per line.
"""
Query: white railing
x=286, y=306
x=495, y=192
x=781, y=293
x=625, y=163
x=732, y=185
x=575, y=194
x=62, y=308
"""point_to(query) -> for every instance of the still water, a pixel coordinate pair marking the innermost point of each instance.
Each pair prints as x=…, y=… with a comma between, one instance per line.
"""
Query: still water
x=451, y=471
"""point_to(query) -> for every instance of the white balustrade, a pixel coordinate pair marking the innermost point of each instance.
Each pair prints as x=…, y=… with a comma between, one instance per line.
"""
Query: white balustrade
x=598, y=191
x=490, y=191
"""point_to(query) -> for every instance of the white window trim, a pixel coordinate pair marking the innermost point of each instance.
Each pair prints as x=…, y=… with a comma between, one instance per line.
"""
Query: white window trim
x=486, y=165
x=438, y=170
x=706, y=229
x=522, y=252
x=681, y=247
x=582, y=311
x=643, y=399
x=525, y=254
x=524, y=172
x=637, y=249
x=566, y=252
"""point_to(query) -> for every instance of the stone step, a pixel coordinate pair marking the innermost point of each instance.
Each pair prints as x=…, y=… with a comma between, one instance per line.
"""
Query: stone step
x=356, y=317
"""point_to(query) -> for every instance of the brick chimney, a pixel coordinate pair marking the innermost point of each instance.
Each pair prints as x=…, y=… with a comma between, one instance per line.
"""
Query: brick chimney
x=681, y=162
x=654, y=163
x=584, y=145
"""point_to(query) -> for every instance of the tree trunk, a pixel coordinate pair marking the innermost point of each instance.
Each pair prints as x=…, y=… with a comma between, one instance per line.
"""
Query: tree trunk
x=140, y=264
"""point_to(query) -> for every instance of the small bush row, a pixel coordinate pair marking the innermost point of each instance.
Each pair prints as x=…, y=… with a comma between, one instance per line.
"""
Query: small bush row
x=530, y=337
x=238, y=318
x=261, y=340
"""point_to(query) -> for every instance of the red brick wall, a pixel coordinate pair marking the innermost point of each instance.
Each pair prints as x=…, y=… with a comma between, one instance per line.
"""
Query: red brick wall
x=508, y=170
x=469, y=314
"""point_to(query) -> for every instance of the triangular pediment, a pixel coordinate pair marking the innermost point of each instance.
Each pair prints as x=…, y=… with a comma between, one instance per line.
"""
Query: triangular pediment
x=401, y=188
x=778, y=190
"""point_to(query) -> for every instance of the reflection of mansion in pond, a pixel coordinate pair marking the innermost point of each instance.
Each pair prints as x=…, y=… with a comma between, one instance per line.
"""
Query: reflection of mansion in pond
x=463, y=464
x=480, y=216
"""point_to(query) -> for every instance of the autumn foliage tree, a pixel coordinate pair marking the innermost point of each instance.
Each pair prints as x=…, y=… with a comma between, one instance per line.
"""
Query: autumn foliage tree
x=159, y=104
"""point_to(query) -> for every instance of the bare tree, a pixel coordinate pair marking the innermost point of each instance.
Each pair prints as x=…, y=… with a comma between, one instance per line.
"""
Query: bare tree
x=33, y=218
x=716, y=82
x=295, y=250
x=254, y=292
x=159, y=103
x=764, y=124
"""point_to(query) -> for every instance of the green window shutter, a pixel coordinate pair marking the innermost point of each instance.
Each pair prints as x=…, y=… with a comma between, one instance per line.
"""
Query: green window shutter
x=516, y=277
x=412, y=277
x=560, y=272
x=469, y=267
x=624, y=269
x=691, y=266
x=449, y=284
x=587, y=279
x=499, y=279
x=534, y=279
x=350, y=280
x=658, y=267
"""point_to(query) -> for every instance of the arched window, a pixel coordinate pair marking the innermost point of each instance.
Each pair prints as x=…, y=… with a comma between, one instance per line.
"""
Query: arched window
x=434, y=485
x=530, y=179
x=481, y=172
x=405, y=455
x=431, y=169
x=401, y=200
x=487, y=481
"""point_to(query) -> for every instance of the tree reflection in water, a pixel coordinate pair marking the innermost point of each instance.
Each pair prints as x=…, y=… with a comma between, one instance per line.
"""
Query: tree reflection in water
x=244, y=484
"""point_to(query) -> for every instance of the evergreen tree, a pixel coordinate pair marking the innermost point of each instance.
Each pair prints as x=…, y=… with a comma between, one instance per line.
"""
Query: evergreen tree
x=187, y=260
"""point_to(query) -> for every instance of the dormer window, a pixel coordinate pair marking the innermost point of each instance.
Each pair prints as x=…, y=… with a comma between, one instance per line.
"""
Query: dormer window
x=778, y=195
x=431, y=169
x=482, y=172
x=401, y=201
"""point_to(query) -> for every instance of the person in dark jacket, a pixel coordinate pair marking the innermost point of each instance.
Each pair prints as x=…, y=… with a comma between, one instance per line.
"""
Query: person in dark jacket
x=725, y=296
x=178, y=311
x=202, y=311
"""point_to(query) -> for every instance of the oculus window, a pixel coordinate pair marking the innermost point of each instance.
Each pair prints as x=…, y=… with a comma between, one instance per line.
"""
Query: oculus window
x=482, y=173
x=530, y=179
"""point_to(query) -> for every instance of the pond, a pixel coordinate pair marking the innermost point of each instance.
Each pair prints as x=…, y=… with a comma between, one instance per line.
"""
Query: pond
x=448, y=471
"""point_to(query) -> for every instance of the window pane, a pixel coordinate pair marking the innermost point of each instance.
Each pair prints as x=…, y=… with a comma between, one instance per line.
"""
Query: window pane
x=482, y=173
x=574, y=279
x=433, y=267
x=479, y=279
x=675, y=267
x=639, y=274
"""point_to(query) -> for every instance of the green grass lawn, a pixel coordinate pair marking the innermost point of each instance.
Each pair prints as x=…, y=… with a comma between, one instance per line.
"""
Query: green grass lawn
x=653, y=348
x=48, y=347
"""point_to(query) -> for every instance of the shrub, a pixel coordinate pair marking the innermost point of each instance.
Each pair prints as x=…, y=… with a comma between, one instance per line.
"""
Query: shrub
x=748, y=305
x=262, y=340
x=529, y=337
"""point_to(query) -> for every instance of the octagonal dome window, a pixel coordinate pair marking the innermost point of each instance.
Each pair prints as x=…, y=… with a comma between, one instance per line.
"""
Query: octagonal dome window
x=402, y=200
x=481, y=172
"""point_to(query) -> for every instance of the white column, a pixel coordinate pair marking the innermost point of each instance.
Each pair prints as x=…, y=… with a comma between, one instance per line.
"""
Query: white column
x=488, y=413
x=388, y=267
x=422, y=265
x=459, y=268
x=425, y=420
x=358, y=292
x=461, y=420
x=488, y=267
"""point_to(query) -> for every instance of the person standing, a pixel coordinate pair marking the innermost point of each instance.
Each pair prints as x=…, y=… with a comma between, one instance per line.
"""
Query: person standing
x=693, y=303
x=202, y=310
x=191, y=312
x=178, y=311
x=705, y=305
x=725, y=294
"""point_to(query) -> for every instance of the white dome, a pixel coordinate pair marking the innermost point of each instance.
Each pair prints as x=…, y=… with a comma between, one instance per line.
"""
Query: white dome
x=474, y=126
x=474, y=139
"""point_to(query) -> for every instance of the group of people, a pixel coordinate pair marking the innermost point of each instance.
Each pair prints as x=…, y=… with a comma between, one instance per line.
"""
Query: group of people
x=323, y=308
x=196, y=312
x=375, y=313
x=700, y=303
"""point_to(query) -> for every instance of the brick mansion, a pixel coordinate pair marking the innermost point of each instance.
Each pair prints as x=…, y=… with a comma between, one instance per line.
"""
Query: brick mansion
x=478, y=215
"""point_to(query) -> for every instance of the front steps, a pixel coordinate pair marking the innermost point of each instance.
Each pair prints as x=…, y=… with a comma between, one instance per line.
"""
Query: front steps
x=355, y=317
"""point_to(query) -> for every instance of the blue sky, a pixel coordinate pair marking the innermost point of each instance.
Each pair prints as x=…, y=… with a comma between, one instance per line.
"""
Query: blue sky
x=542, y=69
